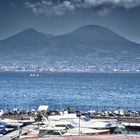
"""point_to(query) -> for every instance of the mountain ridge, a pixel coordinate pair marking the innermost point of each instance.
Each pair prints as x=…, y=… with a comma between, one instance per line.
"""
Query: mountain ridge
x=87, y=46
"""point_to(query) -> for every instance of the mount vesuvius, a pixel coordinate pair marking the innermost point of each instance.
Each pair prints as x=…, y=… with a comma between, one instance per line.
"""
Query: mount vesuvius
x=88, y=48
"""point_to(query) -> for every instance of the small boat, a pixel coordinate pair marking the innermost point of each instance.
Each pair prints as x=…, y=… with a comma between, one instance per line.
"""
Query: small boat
x=3, y=128
x=86, y=121
x=11, y=125
x=62, y=131
x=132, y=126
x=75, y=130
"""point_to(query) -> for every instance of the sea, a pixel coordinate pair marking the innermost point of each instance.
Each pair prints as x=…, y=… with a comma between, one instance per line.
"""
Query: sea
x=86, y=91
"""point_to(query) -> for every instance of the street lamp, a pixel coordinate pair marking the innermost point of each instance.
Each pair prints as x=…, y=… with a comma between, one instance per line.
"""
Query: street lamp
x=79, y=115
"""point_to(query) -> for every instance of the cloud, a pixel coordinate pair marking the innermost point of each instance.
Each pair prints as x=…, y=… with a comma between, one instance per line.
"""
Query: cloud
x=113, y=3
x=60, y=7
x=64, y=7
x=103, y=11
x=49, y=8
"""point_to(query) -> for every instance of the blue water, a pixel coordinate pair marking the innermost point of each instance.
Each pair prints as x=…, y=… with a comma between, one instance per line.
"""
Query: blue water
x=58, y=90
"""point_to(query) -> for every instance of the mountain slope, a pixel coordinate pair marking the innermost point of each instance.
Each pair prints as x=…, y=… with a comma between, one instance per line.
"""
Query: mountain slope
x=27, y=41
x=84, y=40
x=92, y=37
x=87, y=46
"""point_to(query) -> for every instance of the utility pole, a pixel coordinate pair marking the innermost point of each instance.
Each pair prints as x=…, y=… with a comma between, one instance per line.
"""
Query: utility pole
x=19, y=131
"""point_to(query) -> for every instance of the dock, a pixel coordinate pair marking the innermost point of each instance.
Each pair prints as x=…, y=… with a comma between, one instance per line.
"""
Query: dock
x=15, y=134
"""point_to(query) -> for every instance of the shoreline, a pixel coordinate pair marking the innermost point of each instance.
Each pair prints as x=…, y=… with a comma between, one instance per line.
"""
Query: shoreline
x=130, y=116
x=72, y=72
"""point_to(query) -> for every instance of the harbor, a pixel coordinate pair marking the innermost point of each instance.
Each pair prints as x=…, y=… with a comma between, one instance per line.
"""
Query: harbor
x=43, y=123
x=94, y=106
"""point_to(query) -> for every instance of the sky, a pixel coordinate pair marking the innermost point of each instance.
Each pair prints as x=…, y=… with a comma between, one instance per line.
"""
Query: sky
x=63, y=16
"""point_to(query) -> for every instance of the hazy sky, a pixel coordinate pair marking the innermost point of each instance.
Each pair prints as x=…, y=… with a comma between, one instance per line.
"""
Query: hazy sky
x=62, y=16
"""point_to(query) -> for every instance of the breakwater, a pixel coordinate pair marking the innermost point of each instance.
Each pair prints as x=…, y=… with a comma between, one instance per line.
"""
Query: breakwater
x=119, y=113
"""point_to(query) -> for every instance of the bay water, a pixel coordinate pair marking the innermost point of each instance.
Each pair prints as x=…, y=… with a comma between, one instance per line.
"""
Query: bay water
x=59, y=90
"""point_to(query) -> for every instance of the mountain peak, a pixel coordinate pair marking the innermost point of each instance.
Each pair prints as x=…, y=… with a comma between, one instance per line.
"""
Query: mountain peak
x=97, y=33
x=90, y=30
x=33, y=32
x=30, y=30
x=91, y=27
x=30, y=33
x=25, y=38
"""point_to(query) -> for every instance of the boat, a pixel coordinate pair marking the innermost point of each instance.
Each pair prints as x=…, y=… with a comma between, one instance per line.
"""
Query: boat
x=61, y=130
x=3, y=128
x=76, y=130
x=26, y=120
x=86, y=122
x=132, y=126
x=63, y=116
x=11, y=123
x=51, y=131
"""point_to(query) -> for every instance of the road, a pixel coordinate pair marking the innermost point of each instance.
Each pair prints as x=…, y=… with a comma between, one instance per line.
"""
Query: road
x=94, y=137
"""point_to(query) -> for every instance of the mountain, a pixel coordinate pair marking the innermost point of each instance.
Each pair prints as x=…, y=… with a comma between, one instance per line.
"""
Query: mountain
x=27, y=41
x=88, y=46
x=92, y=38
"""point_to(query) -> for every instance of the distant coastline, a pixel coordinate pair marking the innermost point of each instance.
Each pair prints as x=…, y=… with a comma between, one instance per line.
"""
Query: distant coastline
x=117, y=72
